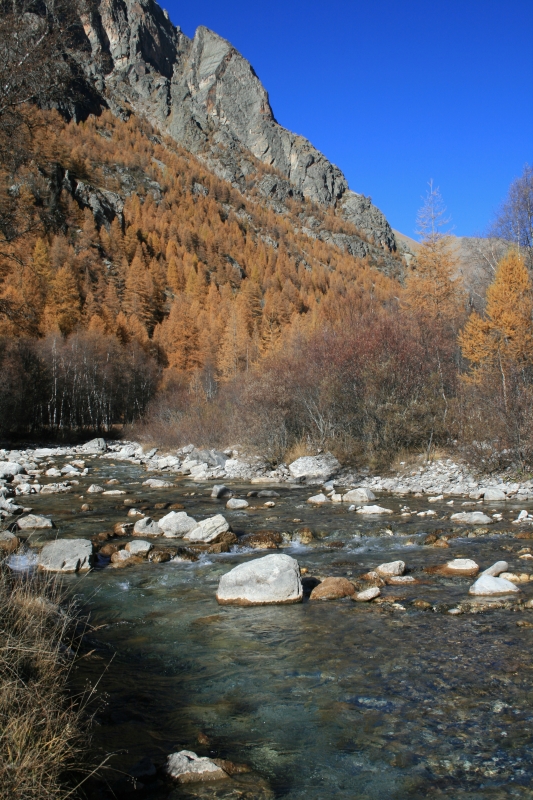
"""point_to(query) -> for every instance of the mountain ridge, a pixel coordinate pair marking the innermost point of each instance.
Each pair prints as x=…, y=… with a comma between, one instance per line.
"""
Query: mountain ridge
x=204, y=95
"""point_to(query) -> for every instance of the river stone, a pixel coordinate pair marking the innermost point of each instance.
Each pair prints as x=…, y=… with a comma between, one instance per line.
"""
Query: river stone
x=268, y=580
x=10, y=468
x=496, y=569
x=374, y=510
x=34, y=521
x=487, y=585
x=462, y=566
x=358, y=496
x=391, y=569
x=318, y=499
x=176, y=524
x=494, y=495
x=332, y=589
x=95, y=489
x=219, y=490
x=208, y=530
x=367, y=594
x=55, y=488
x=314, y=469
x=8, y=542
x=262, y=540
x=235, y=504
x=138, y=547
x=146, y=527
x=157, y=483
x=66, y=555
x=187, y=767
x=472, y=518
x=94, y=447
x=120, y=555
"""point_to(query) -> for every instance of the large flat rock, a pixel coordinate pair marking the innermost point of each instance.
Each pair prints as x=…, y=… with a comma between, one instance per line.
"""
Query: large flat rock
x=472, y=518
x=66, y=555
x=270, y=580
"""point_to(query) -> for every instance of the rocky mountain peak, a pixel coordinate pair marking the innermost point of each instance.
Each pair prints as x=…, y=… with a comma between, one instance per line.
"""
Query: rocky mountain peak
x=203, y=94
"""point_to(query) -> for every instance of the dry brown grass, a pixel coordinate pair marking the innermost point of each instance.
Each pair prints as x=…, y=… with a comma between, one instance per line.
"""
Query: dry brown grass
x=42, y=736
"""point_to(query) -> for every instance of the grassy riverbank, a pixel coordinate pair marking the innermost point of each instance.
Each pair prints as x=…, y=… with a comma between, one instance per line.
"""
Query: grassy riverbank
x=43, y=736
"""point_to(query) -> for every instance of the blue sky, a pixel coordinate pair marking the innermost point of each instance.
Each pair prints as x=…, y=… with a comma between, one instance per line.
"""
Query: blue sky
x=396, y=93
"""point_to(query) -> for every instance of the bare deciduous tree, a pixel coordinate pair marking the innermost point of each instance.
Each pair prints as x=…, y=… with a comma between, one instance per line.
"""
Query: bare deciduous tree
x=514, y=221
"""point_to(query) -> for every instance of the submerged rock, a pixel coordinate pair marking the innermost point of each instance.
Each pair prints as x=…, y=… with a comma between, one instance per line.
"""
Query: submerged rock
x=187, y=767
x=262, y=540
x=273, y=579
x=66, y=555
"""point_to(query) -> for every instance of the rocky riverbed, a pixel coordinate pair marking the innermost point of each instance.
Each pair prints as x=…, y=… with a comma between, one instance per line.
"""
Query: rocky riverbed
x=389, y=664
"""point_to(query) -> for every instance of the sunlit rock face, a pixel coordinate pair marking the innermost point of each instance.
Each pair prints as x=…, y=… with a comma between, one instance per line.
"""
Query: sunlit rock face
x=206, y=96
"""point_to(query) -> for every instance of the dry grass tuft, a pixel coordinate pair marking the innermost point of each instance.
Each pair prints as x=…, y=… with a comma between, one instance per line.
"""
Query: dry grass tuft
x=42, y=736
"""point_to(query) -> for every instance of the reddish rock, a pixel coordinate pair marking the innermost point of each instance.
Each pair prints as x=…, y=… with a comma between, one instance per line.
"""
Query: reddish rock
x=333, y=589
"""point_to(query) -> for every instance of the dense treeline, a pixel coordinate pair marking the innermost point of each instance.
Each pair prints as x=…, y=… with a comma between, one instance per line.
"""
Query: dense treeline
x=131, y=277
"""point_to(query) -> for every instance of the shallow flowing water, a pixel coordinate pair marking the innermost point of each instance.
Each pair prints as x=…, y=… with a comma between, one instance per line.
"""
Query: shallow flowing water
x=322, y=699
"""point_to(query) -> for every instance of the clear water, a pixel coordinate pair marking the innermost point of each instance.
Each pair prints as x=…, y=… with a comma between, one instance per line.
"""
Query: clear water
x=323, y=700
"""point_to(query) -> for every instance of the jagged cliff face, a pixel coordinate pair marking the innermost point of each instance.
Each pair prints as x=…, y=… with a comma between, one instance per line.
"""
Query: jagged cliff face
x=207, y=97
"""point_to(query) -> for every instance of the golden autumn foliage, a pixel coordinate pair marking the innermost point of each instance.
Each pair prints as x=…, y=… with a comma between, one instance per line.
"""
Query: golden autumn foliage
x=504, y=335
x=188, y=267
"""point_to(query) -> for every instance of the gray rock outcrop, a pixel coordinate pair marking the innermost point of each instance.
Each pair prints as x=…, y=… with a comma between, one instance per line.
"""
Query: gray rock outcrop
x=207, y=97
x=314, y=469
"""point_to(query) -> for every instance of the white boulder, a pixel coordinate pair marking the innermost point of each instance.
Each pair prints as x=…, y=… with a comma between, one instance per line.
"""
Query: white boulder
x=187, y=767
x=487, y=585
x=157, y=483
x=318, y=499
x=315, y=469
x=273, y=579
x=391, y=569
x=95, y=489
x=10, y=468
x=496, y=569
x=208, y=530
x=66, y=555
x=374, y=510
x=368, y=594
x=494, y=495
x=34, y=522
x=360, y=495
x=94, y=447
x=176, y=524
x=472, y=518
x=138, y=547
x=146, y=527
x=235, y=504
